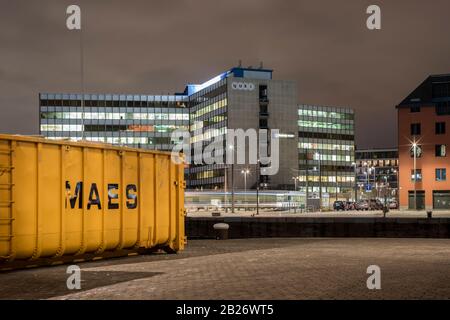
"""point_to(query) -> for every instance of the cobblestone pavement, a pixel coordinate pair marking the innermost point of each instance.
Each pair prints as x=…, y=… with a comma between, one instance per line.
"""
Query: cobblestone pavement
x=254, y=269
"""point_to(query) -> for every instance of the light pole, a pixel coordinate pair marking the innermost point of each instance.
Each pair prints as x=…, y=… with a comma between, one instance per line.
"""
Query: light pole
x=337, y=184
x=415, y=174
x=396, y=183
x=225, y=187
x=373, y=169
x=307, y=178
x=245, y=172
x=367, y=175
x=318, y=156
x=258, y=174
x=232, y=179
x=295, y=190
x=295, y=183
x=355, y=184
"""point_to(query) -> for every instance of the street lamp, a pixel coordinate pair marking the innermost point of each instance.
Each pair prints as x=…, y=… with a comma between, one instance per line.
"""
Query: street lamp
x=231, y=147
x=367, y=175
x=318, y=156
x=414, y=145
x=258, y=175
x=355, y=183
x=386, y=189
x=245, y=172
x=396, y=184
x=373, y=169
x=295, y=182
x=225, y=188
x=295, y=190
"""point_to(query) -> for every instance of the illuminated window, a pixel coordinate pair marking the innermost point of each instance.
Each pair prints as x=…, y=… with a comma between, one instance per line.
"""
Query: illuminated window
x=418, y=175
x=441, y=174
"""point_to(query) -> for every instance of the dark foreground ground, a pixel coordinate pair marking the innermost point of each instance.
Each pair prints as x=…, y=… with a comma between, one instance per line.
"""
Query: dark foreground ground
x=254, y=269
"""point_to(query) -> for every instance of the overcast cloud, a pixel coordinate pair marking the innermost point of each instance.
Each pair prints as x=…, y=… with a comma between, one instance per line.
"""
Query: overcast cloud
x=155, y=47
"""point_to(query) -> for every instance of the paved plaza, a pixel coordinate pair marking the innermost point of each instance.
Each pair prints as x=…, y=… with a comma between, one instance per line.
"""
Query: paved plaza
x=254, y=269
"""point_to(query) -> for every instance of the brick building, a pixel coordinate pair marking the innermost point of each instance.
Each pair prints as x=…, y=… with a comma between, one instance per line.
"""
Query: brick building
x=423, y=127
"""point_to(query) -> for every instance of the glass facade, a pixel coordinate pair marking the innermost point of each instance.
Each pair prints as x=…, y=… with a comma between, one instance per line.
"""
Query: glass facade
x=379, y=169
x=206, y=111
x=208, y=121
x=139, y=121
x=326, y=151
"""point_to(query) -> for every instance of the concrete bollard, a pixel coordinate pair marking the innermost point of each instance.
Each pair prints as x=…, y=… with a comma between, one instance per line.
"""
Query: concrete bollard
x=221, y=231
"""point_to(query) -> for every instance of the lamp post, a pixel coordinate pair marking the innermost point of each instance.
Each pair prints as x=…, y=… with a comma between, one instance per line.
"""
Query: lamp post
x=318, y=156
x=373, y=169
x=415, y=174
x=355, y=184
x=337, y=184
x=295, y=183
x=225, y=188
x=396, y=184
x=307, y=178
x=367, y=172
x=295, y=190
x=232, y=179
x=367, y=175
x=245, y=172
x=258, y=174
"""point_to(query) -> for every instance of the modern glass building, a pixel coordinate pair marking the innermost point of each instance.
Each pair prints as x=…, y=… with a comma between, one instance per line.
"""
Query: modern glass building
x=316, y=144
x=140, y=121
x=377, y=173
x=208, y=120
x=242, y=98
x=326, y=152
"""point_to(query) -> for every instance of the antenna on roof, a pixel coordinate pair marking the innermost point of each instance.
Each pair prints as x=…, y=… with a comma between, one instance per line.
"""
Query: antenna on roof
x=261, y=65
x=240, y=64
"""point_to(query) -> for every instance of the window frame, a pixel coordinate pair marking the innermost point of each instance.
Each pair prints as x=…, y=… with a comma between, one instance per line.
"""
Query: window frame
x=418, y=129
x=440, y=174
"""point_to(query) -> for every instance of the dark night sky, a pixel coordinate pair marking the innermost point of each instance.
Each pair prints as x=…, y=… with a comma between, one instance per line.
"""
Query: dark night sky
x=154, y=47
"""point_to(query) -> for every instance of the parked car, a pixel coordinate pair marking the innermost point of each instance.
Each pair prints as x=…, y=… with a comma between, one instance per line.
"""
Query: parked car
x=375, y=204
x=339, y=206
x=350, y=205
x=362, y=205
x=393, y=204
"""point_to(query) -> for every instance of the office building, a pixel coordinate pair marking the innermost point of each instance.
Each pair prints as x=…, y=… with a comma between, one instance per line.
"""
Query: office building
x=377, y=173
x=140, y=121
x=243, y=98
x=423, y=137
x=240, y=98
x=326, y=152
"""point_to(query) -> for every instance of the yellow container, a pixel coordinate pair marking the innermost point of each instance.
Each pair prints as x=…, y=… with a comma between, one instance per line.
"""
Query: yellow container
x=61, y=199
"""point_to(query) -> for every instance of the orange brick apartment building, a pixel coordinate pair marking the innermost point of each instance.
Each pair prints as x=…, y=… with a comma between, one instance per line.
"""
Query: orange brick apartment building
x=424, y=119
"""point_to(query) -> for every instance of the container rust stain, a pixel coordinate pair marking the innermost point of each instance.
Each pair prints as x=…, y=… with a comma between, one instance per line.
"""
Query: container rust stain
x=61, y=199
